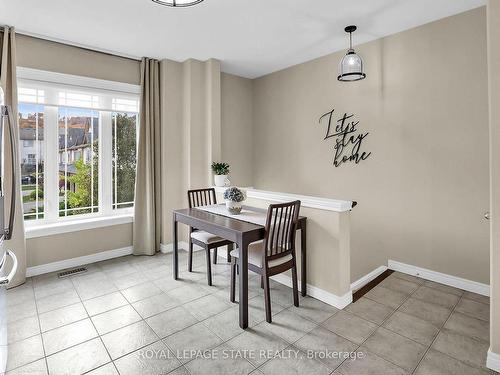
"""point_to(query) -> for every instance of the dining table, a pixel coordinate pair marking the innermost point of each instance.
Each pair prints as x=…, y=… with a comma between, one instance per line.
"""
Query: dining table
x=241, y=230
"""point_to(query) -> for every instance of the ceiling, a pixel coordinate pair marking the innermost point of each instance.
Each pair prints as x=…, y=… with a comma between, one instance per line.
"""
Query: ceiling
x=250, y=37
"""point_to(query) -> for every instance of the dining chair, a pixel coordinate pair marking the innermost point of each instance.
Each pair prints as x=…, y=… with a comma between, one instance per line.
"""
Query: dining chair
x=275, y=254
x=208, y=241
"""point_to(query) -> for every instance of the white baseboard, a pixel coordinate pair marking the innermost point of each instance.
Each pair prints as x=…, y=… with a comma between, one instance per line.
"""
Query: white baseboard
x=168, y=248
x=93, y=258
x=493, y=361
x=76, y=262
x=312, y=291
x=331, y=299
x=367, y=278
x=454, y=281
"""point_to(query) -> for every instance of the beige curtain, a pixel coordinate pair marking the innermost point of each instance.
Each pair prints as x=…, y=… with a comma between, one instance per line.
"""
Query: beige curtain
x=8, y=81
x=147, y=217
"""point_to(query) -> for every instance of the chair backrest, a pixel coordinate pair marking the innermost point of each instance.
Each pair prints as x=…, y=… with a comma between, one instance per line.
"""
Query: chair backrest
x=281, y=225
x=201, y=197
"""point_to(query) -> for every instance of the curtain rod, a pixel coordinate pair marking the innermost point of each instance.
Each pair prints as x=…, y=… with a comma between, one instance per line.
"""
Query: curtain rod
x=73, y=44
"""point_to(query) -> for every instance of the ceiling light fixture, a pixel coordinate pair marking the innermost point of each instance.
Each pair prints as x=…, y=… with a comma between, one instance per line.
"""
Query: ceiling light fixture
x=351, y=66
x=178, y=3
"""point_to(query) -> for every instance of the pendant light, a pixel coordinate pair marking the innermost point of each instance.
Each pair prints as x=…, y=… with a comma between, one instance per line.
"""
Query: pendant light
x=351, y=66
x=178, y=3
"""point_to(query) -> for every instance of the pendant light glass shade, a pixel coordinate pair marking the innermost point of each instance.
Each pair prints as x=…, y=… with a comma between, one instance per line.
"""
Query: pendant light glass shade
x=178, y=3
x=351, y=65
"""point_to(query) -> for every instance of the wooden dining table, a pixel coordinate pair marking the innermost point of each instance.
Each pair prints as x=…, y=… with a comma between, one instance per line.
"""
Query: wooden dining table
x=242, y=233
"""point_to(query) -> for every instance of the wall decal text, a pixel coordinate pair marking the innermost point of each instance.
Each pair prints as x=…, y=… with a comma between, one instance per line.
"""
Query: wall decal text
x=348, y=139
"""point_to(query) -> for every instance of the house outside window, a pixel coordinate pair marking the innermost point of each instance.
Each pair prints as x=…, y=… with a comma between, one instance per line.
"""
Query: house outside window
x=77, y=146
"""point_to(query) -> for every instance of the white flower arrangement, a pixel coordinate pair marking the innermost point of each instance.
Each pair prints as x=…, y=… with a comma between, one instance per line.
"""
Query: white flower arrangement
x=233, y=194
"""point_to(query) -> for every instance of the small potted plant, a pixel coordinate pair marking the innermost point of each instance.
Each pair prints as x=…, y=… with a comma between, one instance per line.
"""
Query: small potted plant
x=234, y=198
x=221, y=171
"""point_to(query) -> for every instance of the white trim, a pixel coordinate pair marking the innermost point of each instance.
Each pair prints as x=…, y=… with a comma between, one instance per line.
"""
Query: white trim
x=367, y=278
x=340, y=302
x=305, y=200
x=51, y=175
x=76, y=262
x=52, y=224
x=74, y=80
x=454, y=281
x=331, y=299
x=493, y=361
x=168, y=248
x=66, y=226
x=105, y=168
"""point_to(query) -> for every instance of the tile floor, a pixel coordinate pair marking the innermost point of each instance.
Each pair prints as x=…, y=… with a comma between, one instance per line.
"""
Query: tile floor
x=128, y=316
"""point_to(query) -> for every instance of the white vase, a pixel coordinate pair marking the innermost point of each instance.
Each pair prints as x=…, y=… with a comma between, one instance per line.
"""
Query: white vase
x=221, y=180
x=234, y=208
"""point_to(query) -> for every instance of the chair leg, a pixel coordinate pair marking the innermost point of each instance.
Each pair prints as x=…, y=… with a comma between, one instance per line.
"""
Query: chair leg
x=267, y=298
x=215, y=256
x=232, y=290
x=209, y=266
x=295, y=286
x=229, y=249
x=262, y=282
x=190, y=256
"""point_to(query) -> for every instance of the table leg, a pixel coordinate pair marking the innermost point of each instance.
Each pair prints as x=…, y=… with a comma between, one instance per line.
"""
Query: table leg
x=303, y=251
x=243, y=284
x=175, y=249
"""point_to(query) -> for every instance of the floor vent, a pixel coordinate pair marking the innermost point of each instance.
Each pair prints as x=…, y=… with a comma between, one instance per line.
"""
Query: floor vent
x=72, y=272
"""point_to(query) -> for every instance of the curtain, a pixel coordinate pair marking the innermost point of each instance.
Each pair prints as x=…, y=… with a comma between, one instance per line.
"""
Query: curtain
x=147, y=203
x=8, y=81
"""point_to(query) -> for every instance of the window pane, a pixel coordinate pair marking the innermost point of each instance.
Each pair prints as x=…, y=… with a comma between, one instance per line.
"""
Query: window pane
x=125, y=105
x=78, y=161
x=124, y=159
x=27, y=95
x=31, y=133
x=78, y=99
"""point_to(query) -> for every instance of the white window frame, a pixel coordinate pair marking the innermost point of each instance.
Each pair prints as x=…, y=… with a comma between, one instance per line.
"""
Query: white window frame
x=106, y=215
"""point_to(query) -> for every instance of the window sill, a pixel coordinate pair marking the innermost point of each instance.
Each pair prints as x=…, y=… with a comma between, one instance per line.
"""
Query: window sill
x=50, y=229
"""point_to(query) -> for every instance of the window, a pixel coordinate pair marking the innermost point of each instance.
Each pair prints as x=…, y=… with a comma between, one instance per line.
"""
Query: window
x=31, y=126
x=78, y=146
x=124, y=158
x=78, y=155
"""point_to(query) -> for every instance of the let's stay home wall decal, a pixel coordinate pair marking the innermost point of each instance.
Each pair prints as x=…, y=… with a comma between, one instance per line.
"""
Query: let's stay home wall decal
x=348, y=139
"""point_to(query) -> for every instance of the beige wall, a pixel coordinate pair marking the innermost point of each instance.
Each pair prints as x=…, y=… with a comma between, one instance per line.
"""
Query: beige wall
x=172, y=143
x=423, y=192
x=61, y=58
x=237, y=127
x=191, y=132
x=494, y=100
x=201, y=120
x=328, y=242
x=54, y=248
x=328, y=248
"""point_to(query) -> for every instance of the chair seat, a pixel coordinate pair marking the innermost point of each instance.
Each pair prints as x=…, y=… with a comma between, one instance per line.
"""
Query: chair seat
x=206, y=237
x=255, y=251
